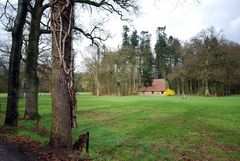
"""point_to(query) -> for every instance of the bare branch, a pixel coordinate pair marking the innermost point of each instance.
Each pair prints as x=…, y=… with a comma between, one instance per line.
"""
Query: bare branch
x=5, y=9
x=44, y=31
x=92, y=3
x=44, y=7
x=90, y=36
x=29, y=7
x=114, y=6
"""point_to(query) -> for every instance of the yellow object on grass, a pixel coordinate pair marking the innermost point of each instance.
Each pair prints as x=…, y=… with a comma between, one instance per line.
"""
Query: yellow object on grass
x=169, y=92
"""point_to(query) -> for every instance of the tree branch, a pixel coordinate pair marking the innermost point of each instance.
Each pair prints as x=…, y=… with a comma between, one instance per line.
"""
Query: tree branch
x=29, y=7
x=44, y=7
x=90, y=36
x=44, y=31
x=92, y=3
x=116, y=6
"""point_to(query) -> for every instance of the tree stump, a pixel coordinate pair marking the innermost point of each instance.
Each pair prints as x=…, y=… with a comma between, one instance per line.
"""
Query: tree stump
x=81, y=142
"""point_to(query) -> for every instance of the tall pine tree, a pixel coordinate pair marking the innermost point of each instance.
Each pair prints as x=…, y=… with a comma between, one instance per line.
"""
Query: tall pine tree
x=146, y=58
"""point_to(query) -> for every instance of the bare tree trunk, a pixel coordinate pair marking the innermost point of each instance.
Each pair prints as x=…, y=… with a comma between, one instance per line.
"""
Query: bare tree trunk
x=207, y=92
x=134, y=80
x=32, y=80
x=108, y=85
x=187, y=87
x=63, y=95
x=118, y=88
x=178, y=87
x=98, y=87
x=14, y=65
x=191, y=86
x=129, y=85
x=183, y=84
x=97, y=81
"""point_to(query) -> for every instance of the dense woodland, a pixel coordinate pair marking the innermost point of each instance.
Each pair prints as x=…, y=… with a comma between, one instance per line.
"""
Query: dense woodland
x=39, y=57
x=206, y=65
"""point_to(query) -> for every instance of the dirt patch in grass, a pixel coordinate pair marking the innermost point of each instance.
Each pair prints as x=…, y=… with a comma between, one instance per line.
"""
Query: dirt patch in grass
x=192, y=153
x=98, y=115
x=230, y=148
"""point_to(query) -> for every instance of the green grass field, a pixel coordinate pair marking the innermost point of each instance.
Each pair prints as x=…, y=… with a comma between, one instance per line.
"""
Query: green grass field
x=150, y=127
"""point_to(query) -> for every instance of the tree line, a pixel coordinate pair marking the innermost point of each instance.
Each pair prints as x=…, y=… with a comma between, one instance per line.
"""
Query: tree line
x=206, y=65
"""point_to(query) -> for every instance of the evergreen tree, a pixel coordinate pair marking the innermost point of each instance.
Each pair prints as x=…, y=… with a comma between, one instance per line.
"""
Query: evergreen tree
x=161, y=51
x=146, y=58
x=125, y=36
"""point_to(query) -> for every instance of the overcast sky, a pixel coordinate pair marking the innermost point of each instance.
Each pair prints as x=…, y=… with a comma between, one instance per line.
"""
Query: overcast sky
x=182, y=20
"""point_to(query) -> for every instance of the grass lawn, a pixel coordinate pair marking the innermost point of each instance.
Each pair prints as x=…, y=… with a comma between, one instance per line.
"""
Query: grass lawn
x=150, y=127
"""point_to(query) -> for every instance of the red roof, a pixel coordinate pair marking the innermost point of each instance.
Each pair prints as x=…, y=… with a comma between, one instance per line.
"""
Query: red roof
x=158, y=85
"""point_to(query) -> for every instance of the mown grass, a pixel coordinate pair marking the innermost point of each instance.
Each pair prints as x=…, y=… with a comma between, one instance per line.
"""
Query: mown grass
x=150, y=127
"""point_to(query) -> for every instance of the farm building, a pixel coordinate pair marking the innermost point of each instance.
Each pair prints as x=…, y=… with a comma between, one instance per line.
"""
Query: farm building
x=158, y=87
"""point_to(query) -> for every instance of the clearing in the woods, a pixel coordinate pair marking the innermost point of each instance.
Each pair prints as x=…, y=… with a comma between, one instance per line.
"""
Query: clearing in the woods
x=148, y=127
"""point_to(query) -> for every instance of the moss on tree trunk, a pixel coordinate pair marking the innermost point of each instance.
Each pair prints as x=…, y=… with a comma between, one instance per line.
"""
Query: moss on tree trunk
x=32, y=82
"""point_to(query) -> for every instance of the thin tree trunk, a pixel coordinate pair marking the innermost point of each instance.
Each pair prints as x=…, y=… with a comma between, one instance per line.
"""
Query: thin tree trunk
x=118, y=88
x=129, y=85
x=186, y=87
x=32, y=80
x=191, y=86
x=134, y=81
x=97, y=82
x=207, y=93
x=183, y=84
x=97, y=90
x=14, y=65
x=108, y=89
x=178, y=87
x=63, y=95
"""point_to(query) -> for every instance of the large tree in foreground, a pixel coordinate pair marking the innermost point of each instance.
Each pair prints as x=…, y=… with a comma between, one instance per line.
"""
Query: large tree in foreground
x=63, y=94
x=14, y=64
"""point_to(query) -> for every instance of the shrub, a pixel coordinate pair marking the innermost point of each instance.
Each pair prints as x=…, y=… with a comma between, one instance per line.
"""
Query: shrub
x=169, y=92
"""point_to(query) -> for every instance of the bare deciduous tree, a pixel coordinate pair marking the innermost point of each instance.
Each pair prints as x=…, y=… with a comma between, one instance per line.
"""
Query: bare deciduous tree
x=14, y=64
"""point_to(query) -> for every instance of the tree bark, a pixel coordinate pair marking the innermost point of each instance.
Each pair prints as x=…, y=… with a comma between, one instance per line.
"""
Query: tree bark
x=191, y=85
x=63, y=95
x=207, y=92
x=22, y=89
x=32, y=80
x=14, y=65
x=134, y=81
x=118, y=88
x=178, y=87
x=183, y=85
x=97, y=80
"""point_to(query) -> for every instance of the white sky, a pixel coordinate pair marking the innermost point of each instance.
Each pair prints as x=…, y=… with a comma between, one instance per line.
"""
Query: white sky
x=182, y=20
